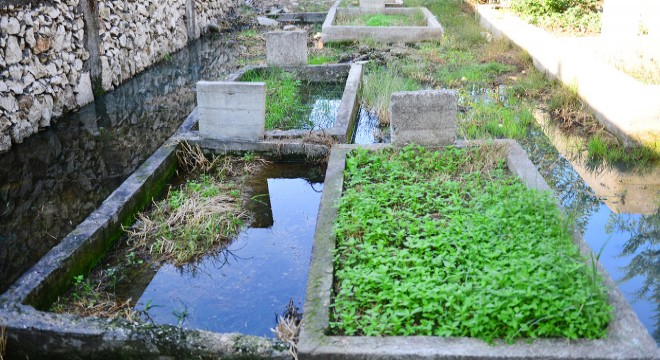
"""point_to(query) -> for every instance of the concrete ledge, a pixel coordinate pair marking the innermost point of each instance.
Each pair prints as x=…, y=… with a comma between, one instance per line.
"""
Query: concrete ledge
x=626, y=107
x=331, y=32
x=628, y=339
x=350, y=74
x=300, y=18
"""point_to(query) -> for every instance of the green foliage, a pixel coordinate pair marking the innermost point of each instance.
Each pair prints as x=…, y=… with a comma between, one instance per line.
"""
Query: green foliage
x=450, y=244
x=319, y=59
x=285, y=109
x=379, y=84
x=492, y=119
x=530, y=86
x=417, y=18
x=564, y=15
x=474, y=73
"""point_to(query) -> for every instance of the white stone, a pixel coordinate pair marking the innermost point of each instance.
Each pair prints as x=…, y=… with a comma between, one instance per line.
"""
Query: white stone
x=28, y=79
x=29, y=37
x=58, y=43
x=77, y=64
x=16, y=72
x=84, y=93
x=54, y=13
x=8, y=103
x=3, y=87
x=10, y=26
x=15, y=87
x=13, y=53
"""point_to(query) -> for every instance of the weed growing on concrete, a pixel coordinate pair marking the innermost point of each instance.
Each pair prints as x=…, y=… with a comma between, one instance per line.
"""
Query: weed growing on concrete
x=449, y=243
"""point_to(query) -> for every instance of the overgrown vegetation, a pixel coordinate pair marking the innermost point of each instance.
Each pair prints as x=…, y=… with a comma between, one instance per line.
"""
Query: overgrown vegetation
x=193, y=219
x=416, y=18
x=450, y=244
x=379, y=84
x=581, y=16
x=498, y=85
x=285, y=108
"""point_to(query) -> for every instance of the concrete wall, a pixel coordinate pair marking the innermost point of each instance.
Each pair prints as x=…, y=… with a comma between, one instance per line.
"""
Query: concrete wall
x=55, y=53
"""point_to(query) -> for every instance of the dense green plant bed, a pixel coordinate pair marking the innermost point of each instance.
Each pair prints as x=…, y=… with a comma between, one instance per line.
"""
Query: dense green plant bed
x=449, y=243
x=417, y=18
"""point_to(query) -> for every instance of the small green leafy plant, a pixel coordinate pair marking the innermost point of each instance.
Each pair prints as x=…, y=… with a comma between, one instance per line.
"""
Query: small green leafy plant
x=581, y=16
x=449, y=243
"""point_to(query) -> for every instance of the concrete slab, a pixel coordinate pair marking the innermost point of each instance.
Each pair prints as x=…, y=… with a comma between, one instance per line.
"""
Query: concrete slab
x=349, y=74
x=628, y=339
x=331, y=32
x=426, y=117
x=231, y=110
x=286, y=48
x=626, y=107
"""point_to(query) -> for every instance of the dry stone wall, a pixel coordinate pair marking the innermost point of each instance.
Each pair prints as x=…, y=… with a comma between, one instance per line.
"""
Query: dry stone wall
x=54, y=54
x=42, y=72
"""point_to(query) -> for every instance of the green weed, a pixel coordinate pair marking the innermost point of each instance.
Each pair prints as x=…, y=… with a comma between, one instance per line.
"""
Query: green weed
x=448, y=243
x=319, y=59
x=379, y=84
x=492, y=119
x=417, y=18
x=284, y=106
x=530, y=86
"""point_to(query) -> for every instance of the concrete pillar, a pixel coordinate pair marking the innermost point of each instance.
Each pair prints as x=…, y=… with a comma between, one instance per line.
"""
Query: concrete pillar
x=372, y=4
x=426, y=117
x=92, y=39
x=231, y=110
x=286, y=48
x=191, y=23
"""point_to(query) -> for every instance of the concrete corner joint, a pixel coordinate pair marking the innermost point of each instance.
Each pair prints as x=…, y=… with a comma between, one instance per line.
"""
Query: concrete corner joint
x=286, y=48
x=426, y=117
x=231, y=110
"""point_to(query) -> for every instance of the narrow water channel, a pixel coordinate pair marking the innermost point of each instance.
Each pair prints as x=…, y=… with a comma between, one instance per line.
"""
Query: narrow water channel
x=54, y=179
x=246, y=285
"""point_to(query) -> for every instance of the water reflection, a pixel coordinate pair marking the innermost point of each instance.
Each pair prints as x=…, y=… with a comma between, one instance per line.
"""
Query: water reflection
x=643, y=250
x=243, y=287
x=53, y=180
x=629, y=242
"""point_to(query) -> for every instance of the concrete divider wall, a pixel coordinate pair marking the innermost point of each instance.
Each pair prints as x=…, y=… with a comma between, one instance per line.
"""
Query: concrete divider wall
x=626, y=107
x=55, y=54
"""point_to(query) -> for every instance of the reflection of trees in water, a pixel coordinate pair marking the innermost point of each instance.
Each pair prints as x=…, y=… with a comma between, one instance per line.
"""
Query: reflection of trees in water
x=573, y=193
x=644, y=244
x=52, y=181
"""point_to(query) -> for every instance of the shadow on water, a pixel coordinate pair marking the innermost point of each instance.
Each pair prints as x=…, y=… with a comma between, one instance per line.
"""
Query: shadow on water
x=243, y=287
x=54, y=179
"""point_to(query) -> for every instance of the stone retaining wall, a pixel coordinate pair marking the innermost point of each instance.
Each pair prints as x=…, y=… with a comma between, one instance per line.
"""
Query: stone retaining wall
x=54, y=54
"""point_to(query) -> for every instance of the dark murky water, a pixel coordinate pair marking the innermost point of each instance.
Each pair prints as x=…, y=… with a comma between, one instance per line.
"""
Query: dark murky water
x=367, y=131
x=53, y=180
x=242, y=288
